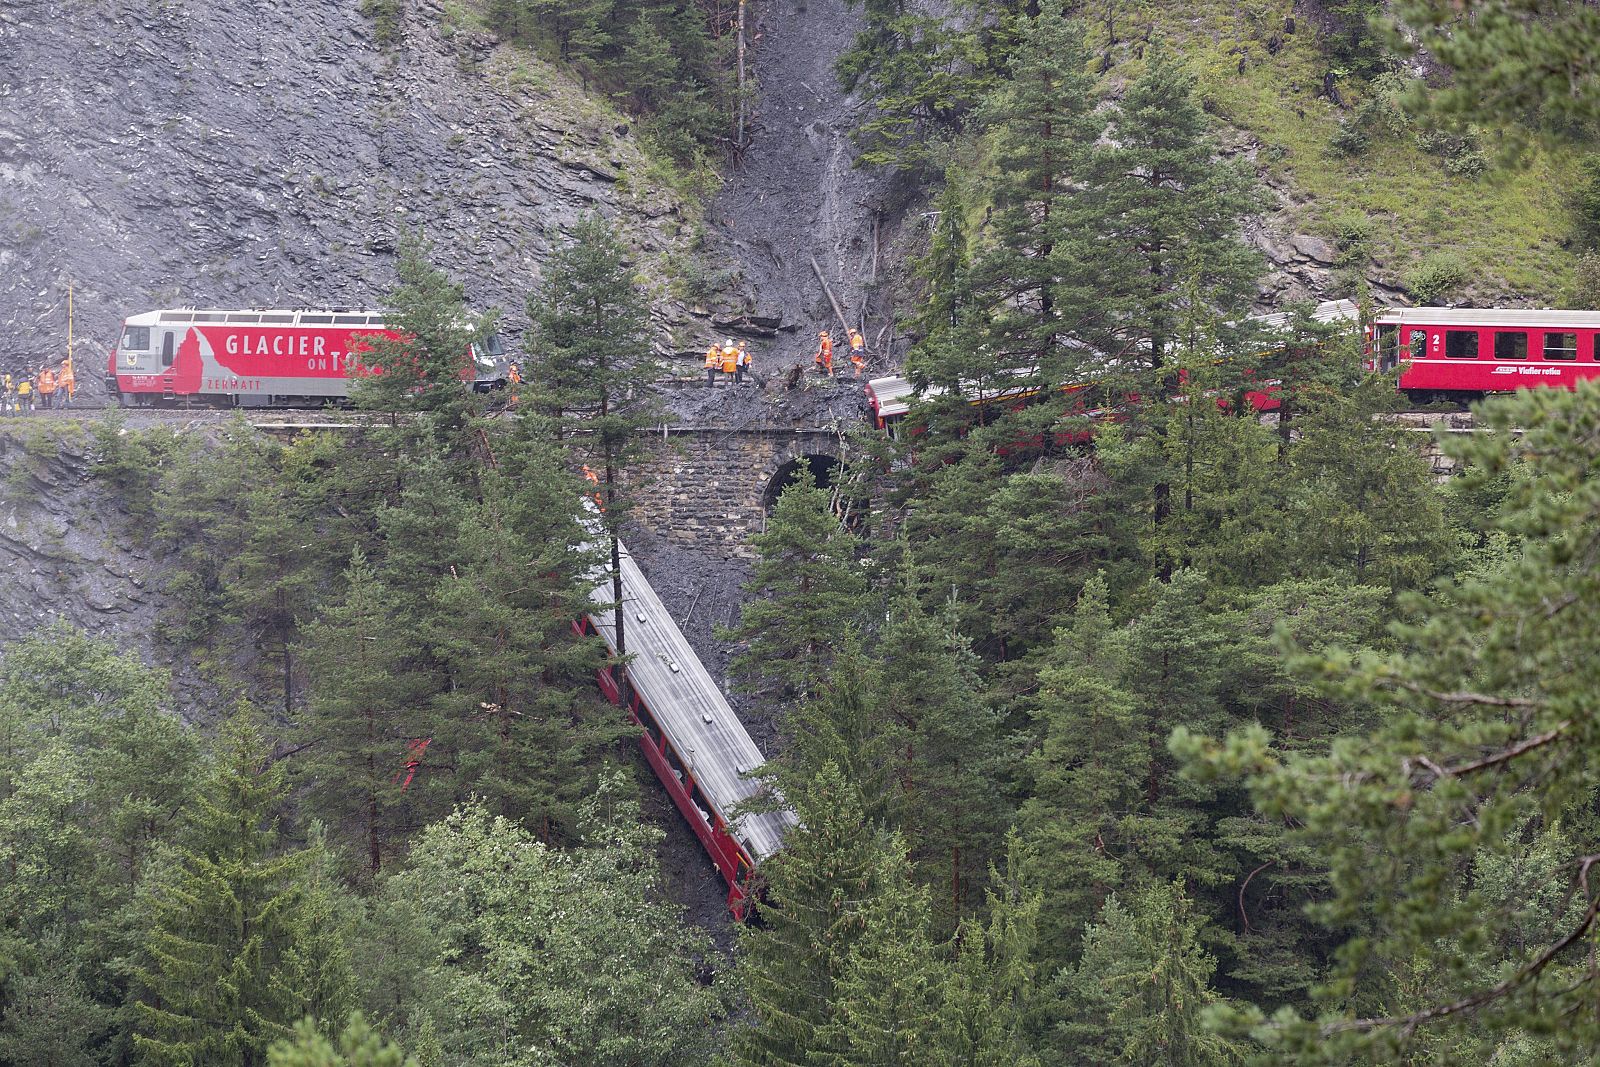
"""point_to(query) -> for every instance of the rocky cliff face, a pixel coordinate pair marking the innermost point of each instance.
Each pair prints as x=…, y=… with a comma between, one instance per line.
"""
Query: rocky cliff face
x=267, y=152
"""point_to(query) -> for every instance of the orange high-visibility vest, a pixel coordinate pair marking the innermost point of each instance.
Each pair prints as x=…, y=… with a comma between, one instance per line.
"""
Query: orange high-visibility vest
x=730, y=359
x=47, y=381
x=67, y=379
x=713, y=358
x=857, y=342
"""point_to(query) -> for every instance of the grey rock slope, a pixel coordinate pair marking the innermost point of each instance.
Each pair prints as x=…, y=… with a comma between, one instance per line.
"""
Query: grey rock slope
x=246, y=152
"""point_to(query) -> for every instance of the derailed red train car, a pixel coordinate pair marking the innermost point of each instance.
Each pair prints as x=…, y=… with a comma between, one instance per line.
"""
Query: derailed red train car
x=259, y=357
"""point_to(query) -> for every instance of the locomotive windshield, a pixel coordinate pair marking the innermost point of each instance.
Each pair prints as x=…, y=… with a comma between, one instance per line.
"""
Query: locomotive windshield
x=136, y=338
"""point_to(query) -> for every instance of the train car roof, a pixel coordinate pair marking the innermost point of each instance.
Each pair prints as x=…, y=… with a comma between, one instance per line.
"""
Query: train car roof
x=261, y=317
x=1431, y=316
x=889, y=396
x=691, y=710
x=1327, y=311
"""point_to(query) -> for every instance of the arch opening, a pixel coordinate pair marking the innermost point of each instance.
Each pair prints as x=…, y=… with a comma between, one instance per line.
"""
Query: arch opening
x=824, y=471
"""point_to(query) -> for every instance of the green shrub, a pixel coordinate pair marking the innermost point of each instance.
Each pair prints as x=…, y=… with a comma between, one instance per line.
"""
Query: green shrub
x=385, y=16
x=1351, y=140
x=1585, y=203
x=1436, y=276
x=1352, y=232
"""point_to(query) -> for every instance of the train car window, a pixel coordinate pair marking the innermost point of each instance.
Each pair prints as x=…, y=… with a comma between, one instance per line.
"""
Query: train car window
x=279, y=319
x=1461, y=344
x=1419, y=344
x=176, y=316
x=166, y=349
x=350, y=320
x=210, y=316
x=1560, y=345
x=323, y=319
x=1510, y=344
x=243, y=317
x=136, y=338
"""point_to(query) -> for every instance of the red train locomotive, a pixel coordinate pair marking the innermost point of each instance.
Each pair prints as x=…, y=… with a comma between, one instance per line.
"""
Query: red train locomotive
x=258, y=357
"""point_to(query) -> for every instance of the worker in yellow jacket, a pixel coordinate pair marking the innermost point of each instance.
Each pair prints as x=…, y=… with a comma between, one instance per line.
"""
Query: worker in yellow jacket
x=66, y=384
x=713, y=361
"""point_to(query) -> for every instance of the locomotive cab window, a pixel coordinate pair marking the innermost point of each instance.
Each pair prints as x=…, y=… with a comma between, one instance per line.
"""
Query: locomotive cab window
x=1461, y=344
x=136, y=338
x=166, y=349
x=1560, y=345
x=1510, y=344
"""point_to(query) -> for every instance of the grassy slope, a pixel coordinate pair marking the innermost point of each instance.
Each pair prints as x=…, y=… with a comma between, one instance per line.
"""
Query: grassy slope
x=1507, y=226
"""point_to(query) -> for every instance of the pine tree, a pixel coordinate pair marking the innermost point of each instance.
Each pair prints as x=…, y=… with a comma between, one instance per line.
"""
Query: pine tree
x=1165, y=231
x=359, y=1045
x=949, y=809
x=48, y=1017
x=1044, y=122
x=224, y=918
x=1362, y=504
x=992, y=994
x=1084, y=776
x=922, y=72
x=425, y=367
x=810, y=921
x=1139, y=992
x=887, y=1000
x=96, y=773
x=592, y=325
x=809, y=592
x=520, y=722
x=1482, y=722
x=367, y=706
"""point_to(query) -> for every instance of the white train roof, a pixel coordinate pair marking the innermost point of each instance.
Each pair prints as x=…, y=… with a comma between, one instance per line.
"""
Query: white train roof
x=261, y=316
x=689, y=707
x=1430, y=316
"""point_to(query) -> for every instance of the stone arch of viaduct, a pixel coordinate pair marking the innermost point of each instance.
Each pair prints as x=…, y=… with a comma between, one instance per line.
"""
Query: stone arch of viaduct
x=708, y=486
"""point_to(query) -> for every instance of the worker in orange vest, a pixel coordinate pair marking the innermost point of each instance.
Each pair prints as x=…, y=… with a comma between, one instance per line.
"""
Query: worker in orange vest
x=47, y=387
x=824, y=356
x=713, y=361
x=67, y=384
x=858, y=351
x=730, y=358
x=742, y=363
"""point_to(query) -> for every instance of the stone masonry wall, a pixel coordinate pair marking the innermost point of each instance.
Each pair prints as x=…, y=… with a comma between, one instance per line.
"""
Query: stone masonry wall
x=706, y=487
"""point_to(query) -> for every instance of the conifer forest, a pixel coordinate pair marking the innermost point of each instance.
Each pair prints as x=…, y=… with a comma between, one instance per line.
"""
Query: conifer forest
x=1166, y=684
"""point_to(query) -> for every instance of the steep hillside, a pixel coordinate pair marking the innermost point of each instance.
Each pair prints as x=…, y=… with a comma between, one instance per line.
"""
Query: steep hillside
x=1358, y=183
x=270, y=151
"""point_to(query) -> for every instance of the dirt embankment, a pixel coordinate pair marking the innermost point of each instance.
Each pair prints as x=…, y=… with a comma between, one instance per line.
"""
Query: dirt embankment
x=796, y=198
